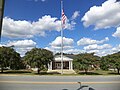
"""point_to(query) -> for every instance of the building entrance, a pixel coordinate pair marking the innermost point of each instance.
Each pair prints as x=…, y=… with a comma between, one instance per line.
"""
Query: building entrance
x=57, y=65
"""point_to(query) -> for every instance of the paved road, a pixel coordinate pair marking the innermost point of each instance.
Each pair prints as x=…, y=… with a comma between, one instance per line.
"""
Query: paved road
x=59, y=82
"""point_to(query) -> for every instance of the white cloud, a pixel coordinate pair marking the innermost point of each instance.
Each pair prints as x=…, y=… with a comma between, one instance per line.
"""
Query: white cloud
x=99, y=50
x=88, y=41
x=68, y=51
x=21, y=46
x=105, y=16
x=47, y=23
x=117, y=33
x=68, y=47
x=105, y=51
x=75, y=15
x=102, y=53
x=93, y=51
x=70, y=24
x=67, y=43
x=74, y=51
x=22, y=43
x=19, y=28
x=55, y=45
x=26, y=29
x=116, y=49
x=97, y=47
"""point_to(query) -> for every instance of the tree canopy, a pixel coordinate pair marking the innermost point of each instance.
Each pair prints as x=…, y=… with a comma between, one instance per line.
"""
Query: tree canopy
x=85, y=61
x=111, y=61
x=9, y=58
x=39, y=58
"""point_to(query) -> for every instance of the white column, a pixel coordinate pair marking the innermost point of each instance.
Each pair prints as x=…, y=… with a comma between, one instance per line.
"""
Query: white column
x=71, y=65
x=50, y=66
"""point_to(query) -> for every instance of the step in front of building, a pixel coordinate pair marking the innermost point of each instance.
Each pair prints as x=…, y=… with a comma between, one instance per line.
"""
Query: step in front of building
x=58, y=71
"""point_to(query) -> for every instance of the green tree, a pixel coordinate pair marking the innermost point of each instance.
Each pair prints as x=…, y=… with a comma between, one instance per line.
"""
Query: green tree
x=111, y=61
x=114, y=61
x=15, y=61
x=104, y=63
x=9, y=58
x=39, y=58
x=85, y=61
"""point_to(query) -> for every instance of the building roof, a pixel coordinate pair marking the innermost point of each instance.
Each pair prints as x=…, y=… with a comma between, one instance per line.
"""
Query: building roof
x=65, y=58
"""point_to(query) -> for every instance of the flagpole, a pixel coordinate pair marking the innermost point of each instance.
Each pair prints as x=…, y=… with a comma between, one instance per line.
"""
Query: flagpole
x=1, y=18
x=61, y=39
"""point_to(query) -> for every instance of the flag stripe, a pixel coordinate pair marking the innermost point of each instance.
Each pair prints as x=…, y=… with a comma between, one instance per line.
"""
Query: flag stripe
x=63, y=18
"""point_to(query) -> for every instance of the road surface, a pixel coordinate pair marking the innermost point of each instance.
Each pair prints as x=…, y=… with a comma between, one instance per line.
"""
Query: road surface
x=27, y=82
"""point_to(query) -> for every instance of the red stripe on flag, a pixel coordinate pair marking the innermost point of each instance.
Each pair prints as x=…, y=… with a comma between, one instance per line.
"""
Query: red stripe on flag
x=63, y=18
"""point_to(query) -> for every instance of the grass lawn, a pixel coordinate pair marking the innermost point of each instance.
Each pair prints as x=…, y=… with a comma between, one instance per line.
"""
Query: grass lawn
x=29, y=72
x=98, y=72
x=26, y=72
x=16, y=72
x=102, y=72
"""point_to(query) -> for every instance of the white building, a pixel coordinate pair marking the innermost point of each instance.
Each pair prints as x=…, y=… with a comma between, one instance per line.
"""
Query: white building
x=56, y=64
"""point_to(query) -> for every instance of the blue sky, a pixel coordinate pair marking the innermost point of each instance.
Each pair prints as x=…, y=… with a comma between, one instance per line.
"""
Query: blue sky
x=91, y=25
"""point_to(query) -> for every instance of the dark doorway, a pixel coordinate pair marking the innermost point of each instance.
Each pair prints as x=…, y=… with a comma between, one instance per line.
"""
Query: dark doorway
x=57, y=65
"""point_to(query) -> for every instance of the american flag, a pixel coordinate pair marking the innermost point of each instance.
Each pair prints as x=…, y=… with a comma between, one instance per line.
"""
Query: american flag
x=63, y=19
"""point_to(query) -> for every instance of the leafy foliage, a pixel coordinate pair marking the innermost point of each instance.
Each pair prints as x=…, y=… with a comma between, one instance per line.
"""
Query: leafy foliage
x=9, y=58
x=111, y=61
x=85, y=61
x=38, y=58
x=104, y=63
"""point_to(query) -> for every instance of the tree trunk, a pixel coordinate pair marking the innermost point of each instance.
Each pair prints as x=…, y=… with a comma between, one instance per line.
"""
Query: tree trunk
x=118, y=70
x=86, y=71
x=38, y=70
x=38, y=66
x=1, y=68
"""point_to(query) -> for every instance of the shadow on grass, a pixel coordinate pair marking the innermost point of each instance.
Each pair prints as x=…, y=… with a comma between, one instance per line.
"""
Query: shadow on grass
x=28, y=72
x=44, y=72
x=15, y=72
x=47, y=73
x=113, y=73
x=89, y=73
